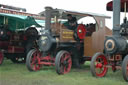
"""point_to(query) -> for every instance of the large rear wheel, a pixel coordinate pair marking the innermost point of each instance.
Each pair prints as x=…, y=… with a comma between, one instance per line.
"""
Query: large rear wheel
x=1, y=57
x=63, y=62
x=98, y=65
x=125, y=68
x=33, y=60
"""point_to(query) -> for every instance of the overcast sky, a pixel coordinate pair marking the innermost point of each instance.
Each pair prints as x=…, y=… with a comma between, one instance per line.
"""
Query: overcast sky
x=36, y=6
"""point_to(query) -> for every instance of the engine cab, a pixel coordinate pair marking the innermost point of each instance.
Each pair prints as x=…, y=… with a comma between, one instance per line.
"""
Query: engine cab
x=63, y=33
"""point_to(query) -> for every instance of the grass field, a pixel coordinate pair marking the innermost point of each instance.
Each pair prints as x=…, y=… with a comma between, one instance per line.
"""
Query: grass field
x=17, y=74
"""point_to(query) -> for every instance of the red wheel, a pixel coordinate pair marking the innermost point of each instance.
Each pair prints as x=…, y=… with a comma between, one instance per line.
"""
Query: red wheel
x=81, y=31
x=63, y=62
x=98, y=65
x=1, y=57
x=33, y=60
x=125, y=68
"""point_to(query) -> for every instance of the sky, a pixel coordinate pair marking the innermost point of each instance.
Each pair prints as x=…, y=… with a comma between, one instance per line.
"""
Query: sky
x=36, y=6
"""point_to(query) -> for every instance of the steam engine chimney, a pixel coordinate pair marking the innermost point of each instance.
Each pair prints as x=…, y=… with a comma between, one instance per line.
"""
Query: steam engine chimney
x=116, y=17
x=48, y=11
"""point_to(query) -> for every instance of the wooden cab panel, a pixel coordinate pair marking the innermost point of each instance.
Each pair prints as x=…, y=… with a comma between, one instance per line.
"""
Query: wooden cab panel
x=65, y=35
x=95, y=43
x=88, y=48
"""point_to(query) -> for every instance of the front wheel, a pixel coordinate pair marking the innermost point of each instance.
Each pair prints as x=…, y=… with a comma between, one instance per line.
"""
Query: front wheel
x=33, y=60
x=125, y=68
x=63, y=62
x=98, y=65
x=1, y=57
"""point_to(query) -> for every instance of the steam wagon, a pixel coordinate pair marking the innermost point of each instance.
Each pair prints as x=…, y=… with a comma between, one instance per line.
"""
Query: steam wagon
x=16, y=34
x=115, y=53
x=69, y=45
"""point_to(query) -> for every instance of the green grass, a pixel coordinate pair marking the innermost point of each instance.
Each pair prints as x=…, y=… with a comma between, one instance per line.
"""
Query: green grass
x=17, y=74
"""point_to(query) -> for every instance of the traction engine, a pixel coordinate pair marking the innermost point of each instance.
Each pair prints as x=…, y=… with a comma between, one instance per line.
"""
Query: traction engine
x=115, y=47
x=56, y=47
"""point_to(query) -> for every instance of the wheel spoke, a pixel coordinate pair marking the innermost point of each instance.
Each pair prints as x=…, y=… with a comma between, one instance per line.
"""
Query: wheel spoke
x=101, y=70
x=35, y=66
x=96, y=65
x=65, y=69
x=66, y=56
x=69, y=60
x=38, y=55
x=33, y=62
x=102, y=61
x=97, y=70
x=33, y=57
x=61, y=68
x=62, y=59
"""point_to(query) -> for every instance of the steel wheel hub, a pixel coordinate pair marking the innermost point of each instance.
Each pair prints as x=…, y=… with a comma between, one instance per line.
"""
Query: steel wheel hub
x=99, y=65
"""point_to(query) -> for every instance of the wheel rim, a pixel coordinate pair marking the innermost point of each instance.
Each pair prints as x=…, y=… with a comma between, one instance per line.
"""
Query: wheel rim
x=35, y=59
x=1, y=57
x=65, y=63
x=100, y=65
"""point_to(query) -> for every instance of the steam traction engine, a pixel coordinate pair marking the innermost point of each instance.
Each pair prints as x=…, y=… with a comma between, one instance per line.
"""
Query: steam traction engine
x=115, y=47
x=16, y=35
x=60, y=46
x=56, y=45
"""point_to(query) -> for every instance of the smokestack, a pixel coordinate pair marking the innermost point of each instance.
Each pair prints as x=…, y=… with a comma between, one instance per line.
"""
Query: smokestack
x=48, y=11
x=116, y=17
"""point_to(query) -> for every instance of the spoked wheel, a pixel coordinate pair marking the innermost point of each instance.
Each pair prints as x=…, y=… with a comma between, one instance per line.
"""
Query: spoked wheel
x=1, y=57
x=33, y=60
x=125, y=68
x=98, y=65
x=63, y=62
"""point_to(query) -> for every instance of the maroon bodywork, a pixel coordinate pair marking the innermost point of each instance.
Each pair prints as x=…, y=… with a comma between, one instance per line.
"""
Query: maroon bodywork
x=17, y=44
x=109, y=6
